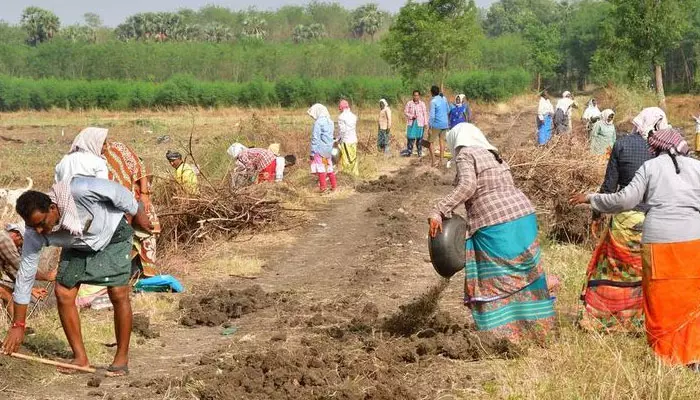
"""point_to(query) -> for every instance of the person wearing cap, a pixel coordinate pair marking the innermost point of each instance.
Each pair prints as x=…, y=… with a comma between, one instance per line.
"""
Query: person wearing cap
x=11, y=240
x=347, y=139
x=185, y=174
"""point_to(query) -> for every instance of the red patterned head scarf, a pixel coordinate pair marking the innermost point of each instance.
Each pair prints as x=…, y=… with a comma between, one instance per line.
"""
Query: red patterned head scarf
x=344, y=105
x=671, y=140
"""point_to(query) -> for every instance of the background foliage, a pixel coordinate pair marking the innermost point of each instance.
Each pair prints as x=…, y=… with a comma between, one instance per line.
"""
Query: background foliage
x=560, y=45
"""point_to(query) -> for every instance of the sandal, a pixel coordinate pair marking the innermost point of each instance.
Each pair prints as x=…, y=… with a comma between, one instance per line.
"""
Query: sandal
x=116, y=371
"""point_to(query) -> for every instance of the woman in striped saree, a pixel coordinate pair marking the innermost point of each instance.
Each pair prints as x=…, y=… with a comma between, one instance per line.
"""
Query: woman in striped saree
x=505, y=285
x=670, y=185
x=612, y=296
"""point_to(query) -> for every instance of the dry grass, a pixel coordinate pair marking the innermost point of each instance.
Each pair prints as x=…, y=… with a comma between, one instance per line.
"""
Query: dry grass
x=577, y=365
x=583, y=365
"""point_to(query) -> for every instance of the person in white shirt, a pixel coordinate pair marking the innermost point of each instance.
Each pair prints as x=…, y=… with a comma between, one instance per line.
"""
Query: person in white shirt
x=562, y=113
x=591, y=115
x=545, y=111
x=85, y=156
x=347, y=128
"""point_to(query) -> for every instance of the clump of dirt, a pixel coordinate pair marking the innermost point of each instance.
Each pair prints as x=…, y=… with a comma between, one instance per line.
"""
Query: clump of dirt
x=404, y=180
x=320, y=371
x=413, y=316
x=94, y=382
x=221, y=305
x=142, y=327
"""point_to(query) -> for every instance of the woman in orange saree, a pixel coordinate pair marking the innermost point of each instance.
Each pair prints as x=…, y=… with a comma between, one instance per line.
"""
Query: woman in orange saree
x=126, y=168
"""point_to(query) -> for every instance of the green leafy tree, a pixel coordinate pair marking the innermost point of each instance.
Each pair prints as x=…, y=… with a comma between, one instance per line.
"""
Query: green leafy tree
x=645, y=30
x=514, y=16
x=159, y=27
x=216, y=33
x=254, y=26
x=334, y=17
x=539, y=23
x=41, y=25
x=305, y=33
x=92, y=20
x=78, y=33
x=582, y=32
x=366, y=20
x=425, y=36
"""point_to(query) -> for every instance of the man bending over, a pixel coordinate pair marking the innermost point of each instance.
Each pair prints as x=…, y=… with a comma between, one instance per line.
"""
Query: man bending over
x=86, y=217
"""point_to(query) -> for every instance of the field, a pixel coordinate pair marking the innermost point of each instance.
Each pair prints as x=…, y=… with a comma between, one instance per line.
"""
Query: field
x=335, y=300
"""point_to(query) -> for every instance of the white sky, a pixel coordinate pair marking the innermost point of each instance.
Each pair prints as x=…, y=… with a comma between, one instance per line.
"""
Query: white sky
x=114, y=12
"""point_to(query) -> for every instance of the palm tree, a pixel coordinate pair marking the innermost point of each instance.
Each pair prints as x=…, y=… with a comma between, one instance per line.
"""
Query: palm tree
x=254, y=26
x=41, y=25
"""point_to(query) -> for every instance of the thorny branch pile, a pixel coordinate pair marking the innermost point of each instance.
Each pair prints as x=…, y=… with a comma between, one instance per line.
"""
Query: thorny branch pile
x=215, y=211
x=550, y=175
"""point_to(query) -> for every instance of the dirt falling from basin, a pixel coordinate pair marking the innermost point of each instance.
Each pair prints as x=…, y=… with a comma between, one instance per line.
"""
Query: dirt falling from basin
x=415, y=315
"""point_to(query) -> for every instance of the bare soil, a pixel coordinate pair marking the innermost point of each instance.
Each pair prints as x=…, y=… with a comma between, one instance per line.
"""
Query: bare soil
x=349, y=308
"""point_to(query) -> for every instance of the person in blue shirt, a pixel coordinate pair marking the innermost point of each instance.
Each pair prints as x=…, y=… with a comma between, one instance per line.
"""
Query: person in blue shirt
x=439, y=123
x=460, y=111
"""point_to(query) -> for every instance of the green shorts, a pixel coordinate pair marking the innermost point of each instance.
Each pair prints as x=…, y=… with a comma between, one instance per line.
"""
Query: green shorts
x=109, y=267
x=436, y=134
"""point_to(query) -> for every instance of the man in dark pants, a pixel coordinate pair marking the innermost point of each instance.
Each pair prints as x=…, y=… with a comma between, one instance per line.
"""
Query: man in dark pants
x=86, y=217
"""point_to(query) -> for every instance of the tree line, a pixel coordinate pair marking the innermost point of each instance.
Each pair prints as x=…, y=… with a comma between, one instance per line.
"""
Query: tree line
x=562, y=44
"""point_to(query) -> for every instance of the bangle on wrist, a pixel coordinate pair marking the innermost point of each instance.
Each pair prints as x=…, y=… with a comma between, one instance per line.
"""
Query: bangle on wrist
x=19, y=324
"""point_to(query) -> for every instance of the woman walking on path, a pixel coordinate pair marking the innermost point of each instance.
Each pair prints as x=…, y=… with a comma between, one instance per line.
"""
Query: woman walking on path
x=322, y=146
x=505, y=286
x=670, y=185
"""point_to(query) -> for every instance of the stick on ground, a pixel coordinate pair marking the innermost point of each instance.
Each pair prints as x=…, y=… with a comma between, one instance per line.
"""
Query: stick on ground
x=55, y=363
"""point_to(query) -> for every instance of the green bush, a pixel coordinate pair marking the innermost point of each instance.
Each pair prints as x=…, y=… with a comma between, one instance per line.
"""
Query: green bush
x=185, y=90
x=491, y=85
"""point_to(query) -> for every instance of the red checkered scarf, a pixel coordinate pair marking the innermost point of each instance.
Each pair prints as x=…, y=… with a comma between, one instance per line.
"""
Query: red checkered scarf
x=670, y=140
x=61, y=195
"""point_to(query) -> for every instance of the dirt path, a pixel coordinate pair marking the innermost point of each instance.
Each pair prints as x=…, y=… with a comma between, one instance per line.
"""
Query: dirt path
x=349, y=308
x=334, y=314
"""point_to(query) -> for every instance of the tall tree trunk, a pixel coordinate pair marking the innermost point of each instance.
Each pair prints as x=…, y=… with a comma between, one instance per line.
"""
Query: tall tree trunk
x=687, y=70
x=539, y=82
x=660, y=86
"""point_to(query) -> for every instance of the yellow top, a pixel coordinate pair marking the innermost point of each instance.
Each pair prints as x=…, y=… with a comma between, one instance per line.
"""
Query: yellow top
x=187, y=178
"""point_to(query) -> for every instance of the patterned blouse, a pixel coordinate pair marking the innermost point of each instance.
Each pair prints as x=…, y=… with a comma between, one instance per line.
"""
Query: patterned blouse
x=416, y=111
x=252, y=161
x=9, y=259
x=486, y=188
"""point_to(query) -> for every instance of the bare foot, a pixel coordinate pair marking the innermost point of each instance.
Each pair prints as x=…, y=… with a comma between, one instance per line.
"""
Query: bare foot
x=69, y=371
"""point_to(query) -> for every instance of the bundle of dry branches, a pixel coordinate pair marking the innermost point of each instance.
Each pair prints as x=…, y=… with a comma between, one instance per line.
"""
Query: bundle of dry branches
x=550, y=175
x=214, y=212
